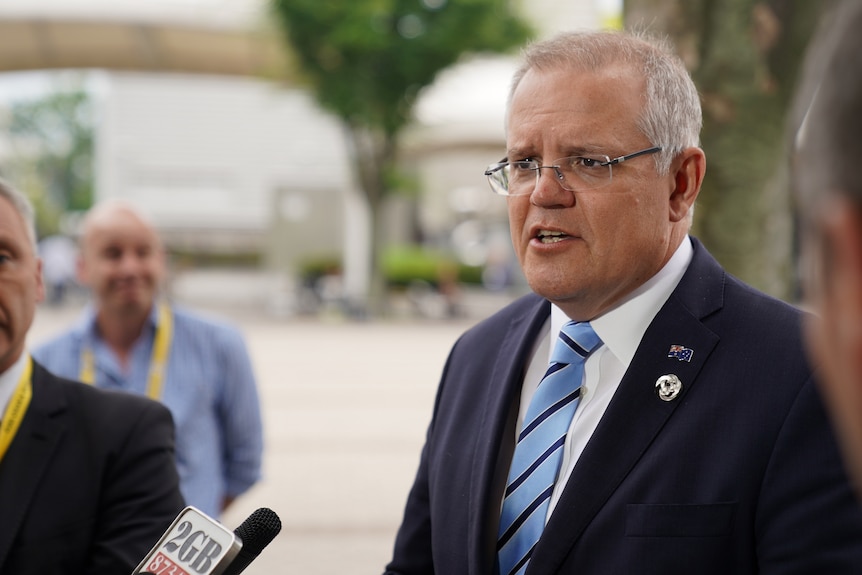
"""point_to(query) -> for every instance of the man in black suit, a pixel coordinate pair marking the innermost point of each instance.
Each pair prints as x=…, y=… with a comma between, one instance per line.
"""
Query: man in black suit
x=697, y=442
x=87, y=477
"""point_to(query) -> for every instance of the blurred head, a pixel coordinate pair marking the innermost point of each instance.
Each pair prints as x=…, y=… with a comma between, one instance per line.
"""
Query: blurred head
x=121, y=260
x=20, y=274
x=829, y=191
x=602, y=94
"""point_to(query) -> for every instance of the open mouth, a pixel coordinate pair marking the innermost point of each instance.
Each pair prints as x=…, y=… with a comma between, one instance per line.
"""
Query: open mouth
x=550, y=237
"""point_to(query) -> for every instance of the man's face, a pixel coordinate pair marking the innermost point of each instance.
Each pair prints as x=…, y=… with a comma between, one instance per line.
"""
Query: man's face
x=615, y=237
x=121, y=262
x=20, y=284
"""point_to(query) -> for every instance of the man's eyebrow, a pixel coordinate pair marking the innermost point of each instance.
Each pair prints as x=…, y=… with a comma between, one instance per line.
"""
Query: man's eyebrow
x=517, y=153
x=581, y=149
x=566, y=151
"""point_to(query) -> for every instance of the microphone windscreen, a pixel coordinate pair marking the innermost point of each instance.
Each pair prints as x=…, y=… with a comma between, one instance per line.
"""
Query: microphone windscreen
x=256, y=532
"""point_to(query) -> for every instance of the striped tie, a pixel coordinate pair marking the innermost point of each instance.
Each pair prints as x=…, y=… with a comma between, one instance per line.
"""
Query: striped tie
x=539, y=451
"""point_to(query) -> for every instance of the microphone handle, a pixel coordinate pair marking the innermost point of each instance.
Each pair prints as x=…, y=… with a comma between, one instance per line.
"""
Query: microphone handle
x=239, y=563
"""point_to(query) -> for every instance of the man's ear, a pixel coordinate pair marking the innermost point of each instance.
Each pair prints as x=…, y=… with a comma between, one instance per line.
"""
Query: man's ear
x=687, y=170
x=40, y=282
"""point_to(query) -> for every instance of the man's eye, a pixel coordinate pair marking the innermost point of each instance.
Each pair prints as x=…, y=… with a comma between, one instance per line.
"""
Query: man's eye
x=112, y=254
x=527, y=164
x=584, y=162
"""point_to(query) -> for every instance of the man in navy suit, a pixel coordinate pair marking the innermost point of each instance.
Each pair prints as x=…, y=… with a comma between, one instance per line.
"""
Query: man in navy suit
x=87, y=477
x=699, y=444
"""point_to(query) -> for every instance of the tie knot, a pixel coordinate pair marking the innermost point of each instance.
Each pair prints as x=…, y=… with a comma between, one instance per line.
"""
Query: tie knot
x=576, y=341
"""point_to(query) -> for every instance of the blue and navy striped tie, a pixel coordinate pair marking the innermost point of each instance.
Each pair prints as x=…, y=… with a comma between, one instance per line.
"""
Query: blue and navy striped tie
x=539, y=451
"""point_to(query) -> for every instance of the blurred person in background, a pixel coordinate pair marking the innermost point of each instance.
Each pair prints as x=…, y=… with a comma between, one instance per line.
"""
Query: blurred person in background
x=87, y=477
x=643, y=411
x=131, y=339
x=829, y=189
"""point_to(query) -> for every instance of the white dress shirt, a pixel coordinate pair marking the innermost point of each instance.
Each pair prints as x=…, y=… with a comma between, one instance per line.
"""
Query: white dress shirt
x=9, y=381
x=621, y=329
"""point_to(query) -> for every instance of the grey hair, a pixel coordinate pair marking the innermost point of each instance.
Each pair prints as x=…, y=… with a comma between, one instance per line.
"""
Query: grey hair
x=671, y=115
x=24, y=208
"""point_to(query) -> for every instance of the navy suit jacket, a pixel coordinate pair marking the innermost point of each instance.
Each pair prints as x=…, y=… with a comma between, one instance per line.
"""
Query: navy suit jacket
x=740, y=474
x=89, y=483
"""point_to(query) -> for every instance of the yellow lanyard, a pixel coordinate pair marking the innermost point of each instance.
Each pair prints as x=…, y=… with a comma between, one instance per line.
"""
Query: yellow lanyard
x=158, y=361
x=16, y=409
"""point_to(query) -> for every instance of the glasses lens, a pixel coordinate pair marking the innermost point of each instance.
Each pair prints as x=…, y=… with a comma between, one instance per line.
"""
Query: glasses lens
x=522, y=177
x=498, y=178
x=512, y=178
x=584, y=172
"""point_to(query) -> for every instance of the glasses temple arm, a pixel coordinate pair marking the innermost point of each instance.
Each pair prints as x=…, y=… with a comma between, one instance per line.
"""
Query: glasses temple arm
x=622, y=159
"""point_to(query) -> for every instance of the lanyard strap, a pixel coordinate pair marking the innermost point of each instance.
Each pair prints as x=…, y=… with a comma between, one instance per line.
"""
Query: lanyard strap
x=158, y=361
x=16, y=409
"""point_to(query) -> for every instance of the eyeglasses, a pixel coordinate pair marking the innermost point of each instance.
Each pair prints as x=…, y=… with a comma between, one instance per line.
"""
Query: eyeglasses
x=575, y=173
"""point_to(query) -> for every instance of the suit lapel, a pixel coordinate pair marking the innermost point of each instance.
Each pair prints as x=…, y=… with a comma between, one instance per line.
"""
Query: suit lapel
x=28, y=456
x=495, y=435
x=636, y=415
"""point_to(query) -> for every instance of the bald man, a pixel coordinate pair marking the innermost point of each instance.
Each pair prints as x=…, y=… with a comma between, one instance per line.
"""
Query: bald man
x=130, y=338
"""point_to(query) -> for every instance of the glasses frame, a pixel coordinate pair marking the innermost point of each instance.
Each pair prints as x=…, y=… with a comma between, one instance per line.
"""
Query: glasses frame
x=497, y=186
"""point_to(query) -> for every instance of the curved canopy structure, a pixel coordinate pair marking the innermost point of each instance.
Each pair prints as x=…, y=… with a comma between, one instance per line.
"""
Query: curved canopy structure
x=191, y=36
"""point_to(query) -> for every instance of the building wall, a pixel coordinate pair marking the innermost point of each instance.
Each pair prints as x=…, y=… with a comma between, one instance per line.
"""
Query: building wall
x=216, y=162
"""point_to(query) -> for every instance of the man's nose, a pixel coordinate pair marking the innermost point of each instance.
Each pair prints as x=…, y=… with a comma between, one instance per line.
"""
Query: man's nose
x=130, y=262
x=549, y=193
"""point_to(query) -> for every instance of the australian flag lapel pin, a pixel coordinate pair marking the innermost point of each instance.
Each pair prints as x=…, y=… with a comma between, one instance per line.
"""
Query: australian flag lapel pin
x=680, y=352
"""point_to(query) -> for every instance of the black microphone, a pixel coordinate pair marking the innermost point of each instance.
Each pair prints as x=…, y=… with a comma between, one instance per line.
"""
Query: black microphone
x=196, y=544
x=256, y=532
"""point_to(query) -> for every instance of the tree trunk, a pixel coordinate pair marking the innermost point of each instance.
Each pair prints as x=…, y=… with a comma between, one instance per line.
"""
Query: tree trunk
x=373, y=154
x=744, y=56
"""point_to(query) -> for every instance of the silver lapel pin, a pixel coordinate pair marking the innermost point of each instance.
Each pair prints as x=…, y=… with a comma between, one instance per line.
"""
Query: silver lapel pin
x=667, y=387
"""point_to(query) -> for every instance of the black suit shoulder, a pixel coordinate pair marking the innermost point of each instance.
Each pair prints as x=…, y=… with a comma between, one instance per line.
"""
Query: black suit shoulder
x=90, y=481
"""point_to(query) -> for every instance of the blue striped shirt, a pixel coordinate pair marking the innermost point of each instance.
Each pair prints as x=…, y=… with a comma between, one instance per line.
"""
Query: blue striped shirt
x=209, y=387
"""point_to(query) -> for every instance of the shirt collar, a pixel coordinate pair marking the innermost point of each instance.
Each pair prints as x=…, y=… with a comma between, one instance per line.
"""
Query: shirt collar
x=623, y=327
x=9, y=380
x=87, y=323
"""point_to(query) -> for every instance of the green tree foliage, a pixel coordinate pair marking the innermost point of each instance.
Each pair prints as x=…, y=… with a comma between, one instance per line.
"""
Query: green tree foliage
x=744, y=56
x=368, y=60
x=51, y=139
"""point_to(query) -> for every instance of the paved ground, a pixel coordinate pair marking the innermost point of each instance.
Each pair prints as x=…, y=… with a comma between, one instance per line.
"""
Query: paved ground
x=343, y=430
